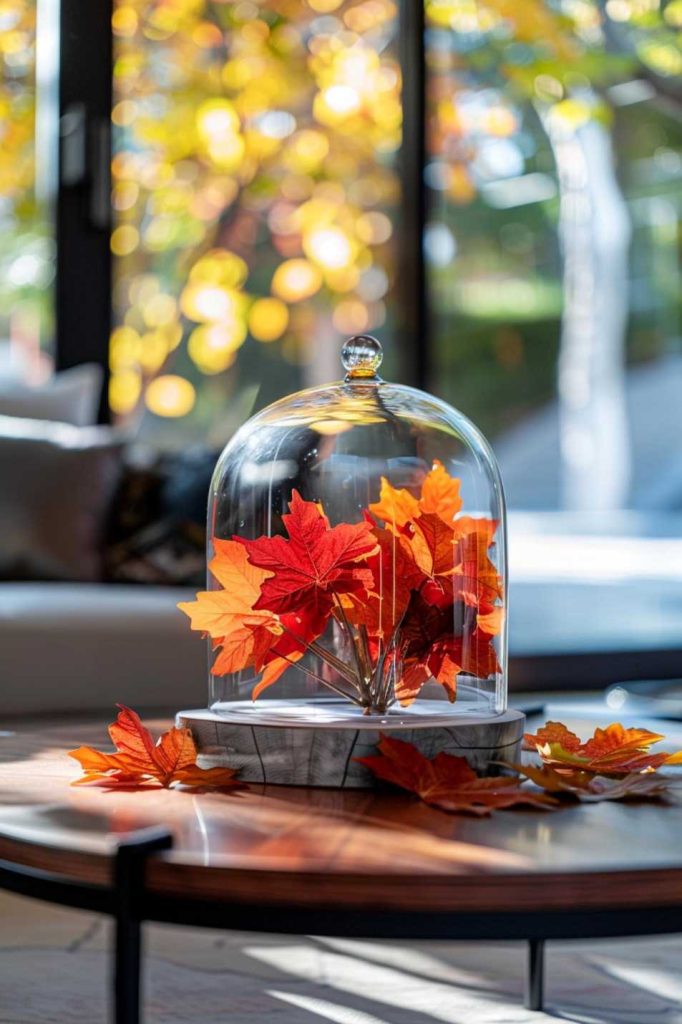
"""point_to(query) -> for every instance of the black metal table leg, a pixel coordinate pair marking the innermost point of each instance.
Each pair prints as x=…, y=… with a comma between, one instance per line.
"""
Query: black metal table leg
x=129, y=869
x=535, y=976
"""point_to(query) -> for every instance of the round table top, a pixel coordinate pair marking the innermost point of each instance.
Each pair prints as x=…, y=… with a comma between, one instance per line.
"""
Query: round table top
x=321, y=847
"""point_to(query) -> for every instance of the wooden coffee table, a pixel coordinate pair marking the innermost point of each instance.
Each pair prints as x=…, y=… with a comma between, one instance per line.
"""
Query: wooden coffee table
x=356, y=863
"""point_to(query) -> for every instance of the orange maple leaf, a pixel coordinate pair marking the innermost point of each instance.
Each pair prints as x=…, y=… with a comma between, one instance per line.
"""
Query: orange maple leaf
x=615, y=739
x=552, y=732
x=475, y=578
x=439, y=497
x=140, y=762
x=453, y=560
x=585, y=786
x=440, y=494
x=432, y=544
x=396, y=506
x=228, y=616
x=451, y=552
x=614, y=750
x=446, y=781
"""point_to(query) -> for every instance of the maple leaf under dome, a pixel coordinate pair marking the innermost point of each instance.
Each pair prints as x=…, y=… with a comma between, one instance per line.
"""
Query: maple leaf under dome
x=417, y=598
x=228, y=615
x=316, y=562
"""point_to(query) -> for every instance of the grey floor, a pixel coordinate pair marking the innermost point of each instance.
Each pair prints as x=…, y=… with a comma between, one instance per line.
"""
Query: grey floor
x=53, y=970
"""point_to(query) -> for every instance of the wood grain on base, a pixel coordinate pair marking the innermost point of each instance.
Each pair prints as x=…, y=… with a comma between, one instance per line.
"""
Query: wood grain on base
x=299, y=755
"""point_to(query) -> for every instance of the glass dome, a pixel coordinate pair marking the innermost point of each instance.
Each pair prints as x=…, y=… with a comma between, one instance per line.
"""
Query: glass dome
x=357, y=559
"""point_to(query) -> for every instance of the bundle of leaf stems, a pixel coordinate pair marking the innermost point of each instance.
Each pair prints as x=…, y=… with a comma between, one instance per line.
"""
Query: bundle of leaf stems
x=370, y=686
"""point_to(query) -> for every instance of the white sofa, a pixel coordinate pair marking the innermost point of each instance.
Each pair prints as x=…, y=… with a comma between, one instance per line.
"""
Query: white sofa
x=68, y=647
x=79, y=647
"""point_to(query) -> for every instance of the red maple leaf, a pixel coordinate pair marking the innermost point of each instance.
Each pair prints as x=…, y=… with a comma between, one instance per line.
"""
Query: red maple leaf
x=446, y=781
x=395, y=575
x=316, y=562
x=437, y=644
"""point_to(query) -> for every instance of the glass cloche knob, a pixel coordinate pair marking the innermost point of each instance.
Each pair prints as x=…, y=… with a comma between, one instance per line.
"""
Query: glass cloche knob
x=361, y=357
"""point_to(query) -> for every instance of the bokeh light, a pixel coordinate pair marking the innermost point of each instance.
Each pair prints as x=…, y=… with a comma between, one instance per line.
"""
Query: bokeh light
x=268, y=319
x=254, y=184
x=255, y=170
x=170, y=395
x=125, y=387
x=213, y=347
x=27, y=250
x=295, y=280
x=124, y=240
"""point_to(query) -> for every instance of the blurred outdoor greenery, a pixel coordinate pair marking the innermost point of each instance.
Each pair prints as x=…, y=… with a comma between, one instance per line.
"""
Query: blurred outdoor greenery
x=257, y=199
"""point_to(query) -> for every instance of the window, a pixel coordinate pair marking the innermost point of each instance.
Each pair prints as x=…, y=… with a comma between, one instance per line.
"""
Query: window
x=276, y=165
x=27, y=133
x=255, y=191
x=554, y=171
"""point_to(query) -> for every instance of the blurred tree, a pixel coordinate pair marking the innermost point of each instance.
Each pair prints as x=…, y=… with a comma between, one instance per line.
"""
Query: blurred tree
x=501, y=71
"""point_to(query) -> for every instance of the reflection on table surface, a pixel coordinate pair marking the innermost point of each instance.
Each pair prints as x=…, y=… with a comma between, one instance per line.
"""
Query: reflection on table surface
x=376, y=832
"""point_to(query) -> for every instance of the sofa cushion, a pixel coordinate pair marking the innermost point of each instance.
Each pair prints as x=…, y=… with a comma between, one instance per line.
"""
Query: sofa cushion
x=157, y=526
x=67, y=647
x=57, y=485
x=69, y=397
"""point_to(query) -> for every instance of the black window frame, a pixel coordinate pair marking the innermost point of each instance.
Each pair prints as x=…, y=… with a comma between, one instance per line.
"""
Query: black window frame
x=83, y=202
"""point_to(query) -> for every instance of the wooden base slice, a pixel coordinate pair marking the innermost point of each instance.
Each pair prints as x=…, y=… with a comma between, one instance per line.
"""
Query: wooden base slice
x=315, y=743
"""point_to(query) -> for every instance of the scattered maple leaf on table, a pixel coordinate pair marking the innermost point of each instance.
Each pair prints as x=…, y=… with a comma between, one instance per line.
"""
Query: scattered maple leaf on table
x=614, y=750
x=552, y=732
x=140, y=762
x=446, y=781
x=585, y=786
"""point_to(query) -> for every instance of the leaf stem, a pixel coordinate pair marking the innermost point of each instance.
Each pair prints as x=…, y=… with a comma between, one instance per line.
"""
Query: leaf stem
x=321, y=679
x=385, y=682
x=333, y=662
x=363, y=682
x=324, y=655
x=364, y=650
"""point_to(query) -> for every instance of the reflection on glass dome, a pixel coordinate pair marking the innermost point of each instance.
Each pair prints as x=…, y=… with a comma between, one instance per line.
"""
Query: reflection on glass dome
x=357, y=556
